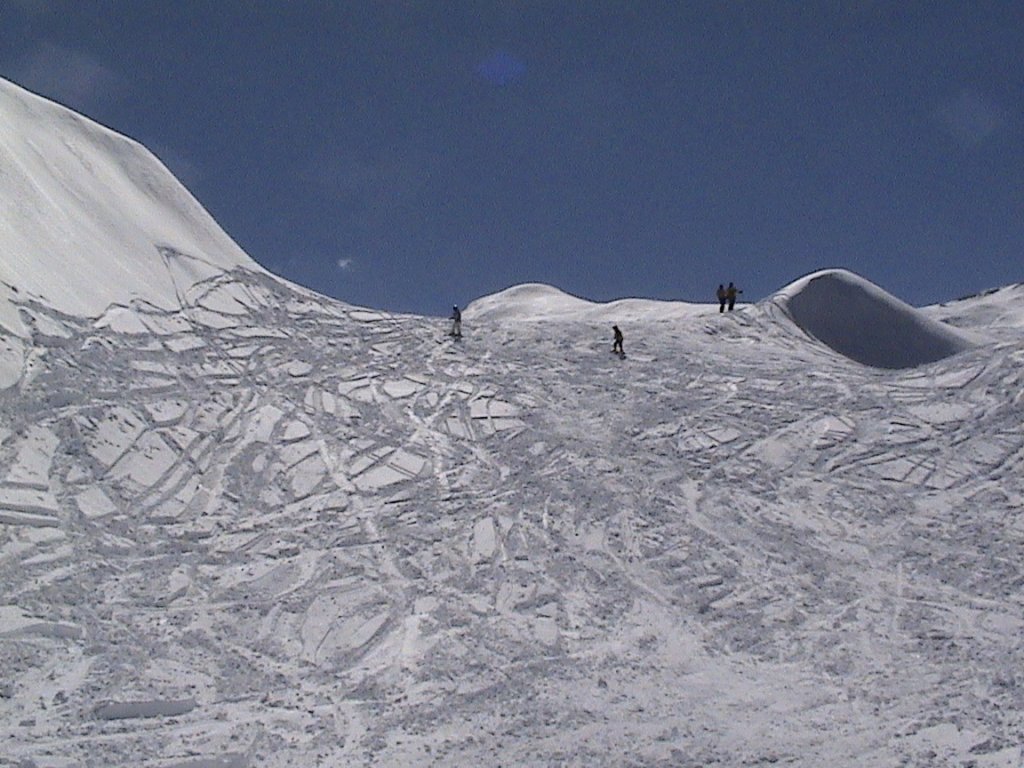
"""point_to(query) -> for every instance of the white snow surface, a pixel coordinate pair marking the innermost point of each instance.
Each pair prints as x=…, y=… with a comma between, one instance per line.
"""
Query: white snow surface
x=861, y=321
x=91, y=218
x=261, y=528
x=536, y=302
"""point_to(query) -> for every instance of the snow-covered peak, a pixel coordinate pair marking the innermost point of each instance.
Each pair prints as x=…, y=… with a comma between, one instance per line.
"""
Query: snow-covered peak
x=537, y=301
x=90, y=218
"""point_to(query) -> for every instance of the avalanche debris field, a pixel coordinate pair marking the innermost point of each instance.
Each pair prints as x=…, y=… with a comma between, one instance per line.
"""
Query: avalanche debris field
x=275, y=530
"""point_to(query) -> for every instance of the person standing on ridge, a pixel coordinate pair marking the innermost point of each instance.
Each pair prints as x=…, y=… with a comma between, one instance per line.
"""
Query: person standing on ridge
x=722, y=297
x=730, y=294
x=617, y=344
x=456, y=319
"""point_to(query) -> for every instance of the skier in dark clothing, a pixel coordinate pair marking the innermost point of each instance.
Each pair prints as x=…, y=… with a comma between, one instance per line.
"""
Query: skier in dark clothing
x=722, y=297
x=456, y=319
x=730, y=294
x=617, y=344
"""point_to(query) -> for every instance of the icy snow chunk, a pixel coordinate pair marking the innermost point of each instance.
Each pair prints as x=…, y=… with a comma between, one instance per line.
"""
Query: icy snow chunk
x=307, y=475
x=213, y=320
x=545, y=629
x=328, y=402
x=126, y=710
x=44, y=325
x=12, y=355
x=150, y=460
x=184, y=343
x=122, y=320
x=14, y=622
x=400, y=388
x=35, y=455
x=941, y=413
x=295, y=430
x=350, y=634
x=484, y=539
x=93, y=502
x=111, y=436
x=224, y=299
x=262, y=427
x=298, y=369
x=229, y=760
x=366, y=316
x=398, y=465
x=26, y=499
x=164, y=412
x=259, y=332
x=29, y=519
x=166, y=324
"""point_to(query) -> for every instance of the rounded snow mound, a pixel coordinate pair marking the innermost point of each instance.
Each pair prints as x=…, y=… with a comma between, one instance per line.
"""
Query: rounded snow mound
x=861, y=321
x=537, y=301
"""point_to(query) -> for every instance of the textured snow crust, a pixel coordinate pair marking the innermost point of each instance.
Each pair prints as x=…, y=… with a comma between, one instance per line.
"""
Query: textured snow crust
x=271, y=530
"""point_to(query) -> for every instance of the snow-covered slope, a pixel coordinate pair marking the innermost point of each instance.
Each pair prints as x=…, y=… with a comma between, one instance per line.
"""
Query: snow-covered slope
x=273, y=530
x=90, y=218
x=861, y=321
x=259, y=528
x=538, y=302
x=997, y=311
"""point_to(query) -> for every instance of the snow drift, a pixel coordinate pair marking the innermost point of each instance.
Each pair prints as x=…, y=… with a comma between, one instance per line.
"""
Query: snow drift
x=92, y=218
x=861, y=321
x=537, y=302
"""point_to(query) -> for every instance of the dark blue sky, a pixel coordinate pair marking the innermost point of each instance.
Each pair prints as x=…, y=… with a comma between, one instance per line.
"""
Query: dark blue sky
x=412, y=155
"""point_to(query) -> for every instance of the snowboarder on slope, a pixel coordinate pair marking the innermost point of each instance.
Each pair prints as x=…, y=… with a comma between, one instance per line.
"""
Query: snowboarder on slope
x=730, y=294
x=722, y=297
x=617, y=344
x=456, y=319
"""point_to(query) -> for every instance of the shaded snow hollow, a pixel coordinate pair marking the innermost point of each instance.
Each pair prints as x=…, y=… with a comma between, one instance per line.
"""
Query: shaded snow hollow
x=861, y=321
x=91, y=218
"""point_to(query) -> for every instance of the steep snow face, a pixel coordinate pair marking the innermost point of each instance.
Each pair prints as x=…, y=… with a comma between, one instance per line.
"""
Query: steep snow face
x=91, y=218
x=539, y=302
x=864, y=323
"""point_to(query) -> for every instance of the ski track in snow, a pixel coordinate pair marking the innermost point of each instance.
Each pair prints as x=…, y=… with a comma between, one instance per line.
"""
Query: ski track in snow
x=269, y=531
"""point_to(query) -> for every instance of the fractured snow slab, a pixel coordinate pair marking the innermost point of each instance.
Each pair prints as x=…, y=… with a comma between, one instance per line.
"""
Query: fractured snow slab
x=26, y=499
x=14, y=622
x=35, y=455
x=296, y=430
x=109, y=438
x=145, y=708
x=150, y=459
x=12, y=355
x=93, y=502
x=164, y=412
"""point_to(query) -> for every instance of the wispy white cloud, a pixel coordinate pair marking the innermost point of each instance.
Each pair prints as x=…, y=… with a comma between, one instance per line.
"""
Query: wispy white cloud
x=345, y=264
x=71, y=77
x=971, y=118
